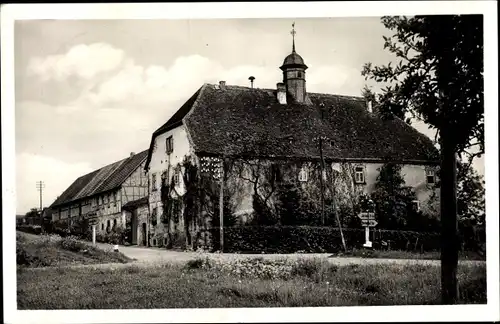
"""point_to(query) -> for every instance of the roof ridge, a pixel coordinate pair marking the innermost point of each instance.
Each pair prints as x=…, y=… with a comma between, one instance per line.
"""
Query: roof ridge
x=109, y=164
x=143, y=159
x=272, y=90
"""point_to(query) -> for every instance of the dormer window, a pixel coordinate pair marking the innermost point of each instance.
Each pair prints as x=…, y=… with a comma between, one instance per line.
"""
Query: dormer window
x=430, y=176
x=359, y=175
x=169, y=145
x=303, y=175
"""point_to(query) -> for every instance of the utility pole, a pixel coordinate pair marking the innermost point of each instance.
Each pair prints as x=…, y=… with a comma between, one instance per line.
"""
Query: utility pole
x=322, y=181
x=40, y=185
x=221, y=205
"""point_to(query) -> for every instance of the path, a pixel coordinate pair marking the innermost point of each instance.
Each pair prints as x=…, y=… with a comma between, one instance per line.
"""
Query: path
x=161, y=256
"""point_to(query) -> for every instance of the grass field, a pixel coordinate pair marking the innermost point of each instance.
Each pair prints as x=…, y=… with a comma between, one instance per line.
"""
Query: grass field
x=259, y=284
x=396, y=254
x=49, y=250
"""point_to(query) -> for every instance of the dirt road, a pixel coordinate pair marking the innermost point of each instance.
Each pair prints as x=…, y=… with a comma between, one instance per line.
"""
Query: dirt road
x=158, y=256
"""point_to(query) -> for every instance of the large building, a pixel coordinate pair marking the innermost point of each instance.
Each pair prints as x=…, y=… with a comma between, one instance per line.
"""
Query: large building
x=266, y=137
x=104, y=191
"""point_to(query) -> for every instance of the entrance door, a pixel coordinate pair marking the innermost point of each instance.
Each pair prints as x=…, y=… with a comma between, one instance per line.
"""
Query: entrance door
x=144, y=238
x=134, y=227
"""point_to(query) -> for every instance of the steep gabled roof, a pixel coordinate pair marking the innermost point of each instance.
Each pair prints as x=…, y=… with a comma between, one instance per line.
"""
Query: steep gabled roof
x=172, y=122
x=249, y=122
x=104, y=179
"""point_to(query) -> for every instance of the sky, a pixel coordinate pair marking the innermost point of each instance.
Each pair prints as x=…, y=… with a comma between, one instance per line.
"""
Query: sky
x=89, y=92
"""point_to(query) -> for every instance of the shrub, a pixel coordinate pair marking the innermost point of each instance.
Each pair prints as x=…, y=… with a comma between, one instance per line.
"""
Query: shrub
x=32, y=229
x=291, y=239
x=71, y=243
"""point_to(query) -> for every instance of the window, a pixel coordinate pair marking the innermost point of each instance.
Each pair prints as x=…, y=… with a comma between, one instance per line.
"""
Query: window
x=169, y=145
x=359, y=174
x=176, y=176
x=108, y=224
x=114, y=223
x=431, y=177
x=303, y=175
x=155, y=212
x=416, y=205
x=153, y=181
x=114, y=198
x=102, y=226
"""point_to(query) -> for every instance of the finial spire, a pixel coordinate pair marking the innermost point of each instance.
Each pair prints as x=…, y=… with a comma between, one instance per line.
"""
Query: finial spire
x=293, y=32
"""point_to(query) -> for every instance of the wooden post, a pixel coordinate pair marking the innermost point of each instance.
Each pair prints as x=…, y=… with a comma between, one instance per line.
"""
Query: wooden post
x=93, y=234
x=338, y=220
x=221, y=208
x=321, y=181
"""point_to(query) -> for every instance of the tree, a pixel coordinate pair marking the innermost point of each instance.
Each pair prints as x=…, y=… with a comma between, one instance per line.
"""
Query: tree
x=393, y=200
x=470, y=192
x=438, y=79
x=470, y=205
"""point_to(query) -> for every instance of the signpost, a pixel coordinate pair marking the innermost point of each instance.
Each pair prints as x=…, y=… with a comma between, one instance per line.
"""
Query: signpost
x=367, y=221
x=93, y=220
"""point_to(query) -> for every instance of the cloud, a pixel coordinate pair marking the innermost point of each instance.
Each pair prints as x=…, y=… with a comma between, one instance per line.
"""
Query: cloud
x=112, y=77
x=84, y=61
x=118, y=104
x=56, y=174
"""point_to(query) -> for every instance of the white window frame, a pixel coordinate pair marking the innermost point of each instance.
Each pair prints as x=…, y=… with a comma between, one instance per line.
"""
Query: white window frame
x=177, y=176
x=359, y=175
x=303, y=174
x=416, y=202
x=169, y=144
x=430, y=173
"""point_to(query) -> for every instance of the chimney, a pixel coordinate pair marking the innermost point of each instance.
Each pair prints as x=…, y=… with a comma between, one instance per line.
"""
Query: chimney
x=281, y=93
x=132, y=154
x=369, y=106
x=251, y=81
x=222, y=85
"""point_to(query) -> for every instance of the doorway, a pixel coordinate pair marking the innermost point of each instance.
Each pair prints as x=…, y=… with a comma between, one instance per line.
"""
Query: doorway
x=134, y=228
x=144, y=236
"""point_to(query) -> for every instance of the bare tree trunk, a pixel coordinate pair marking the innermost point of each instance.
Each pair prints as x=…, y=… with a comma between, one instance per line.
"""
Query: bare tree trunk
x=449, y=231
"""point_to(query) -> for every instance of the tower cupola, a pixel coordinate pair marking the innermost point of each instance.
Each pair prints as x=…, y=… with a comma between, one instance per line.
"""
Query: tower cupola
x=294, y=73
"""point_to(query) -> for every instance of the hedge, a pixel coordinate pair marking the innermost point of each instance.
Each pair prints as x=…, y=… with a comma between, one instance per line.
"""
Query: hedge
x=32, y=229
x=313, y=239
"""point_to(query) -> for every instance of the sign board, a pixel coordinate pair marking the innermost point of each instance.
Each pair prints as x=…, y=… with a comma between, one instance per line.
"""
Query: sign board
x=369, y=223
x=366, y=216
x=92, y=217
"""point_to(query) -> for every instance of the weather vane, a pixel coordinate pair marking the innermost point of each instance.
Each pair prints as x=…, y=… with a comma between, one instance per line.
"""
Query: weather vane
x=293, y=32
